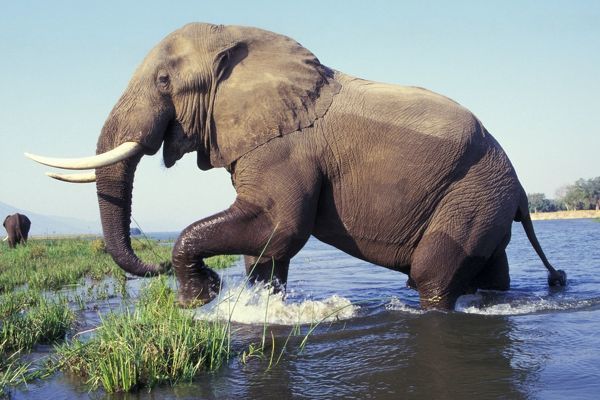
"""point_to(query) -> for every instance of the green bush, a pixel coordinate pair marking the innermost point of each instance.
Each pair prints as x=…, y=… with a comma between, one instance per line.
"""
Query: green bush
x=156, y=343
x=42, y=321
x=37, y=252
x=98, y=246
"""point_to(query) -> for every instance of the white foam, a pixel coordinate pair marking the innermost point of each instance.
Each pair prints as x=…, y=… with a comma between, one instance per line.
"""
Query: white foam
x=475, y=304
x=258, y=304
x=396, y=304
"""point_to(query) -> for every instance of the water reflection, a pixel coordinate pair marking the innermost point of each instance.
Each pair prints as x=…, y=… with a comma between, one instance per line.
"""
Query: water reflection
x=462, y=356
x=392, y=355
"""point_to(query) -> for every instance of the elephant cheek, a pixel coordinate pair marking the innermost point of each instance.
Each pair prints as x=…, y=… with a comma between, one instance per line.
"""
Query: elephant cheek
x=173, y=151
x=169, y=153
x=176, y=144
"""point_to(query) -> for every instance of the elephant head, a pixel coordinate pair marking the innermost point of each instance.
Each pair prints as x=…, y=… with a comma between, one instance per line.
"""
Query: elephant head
x=218, y=90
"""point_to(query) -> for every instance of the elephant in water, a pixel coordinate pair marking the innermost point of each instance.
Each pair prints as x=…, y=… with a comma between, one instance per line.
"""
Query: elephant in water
x=398, y=176
x=17, y=228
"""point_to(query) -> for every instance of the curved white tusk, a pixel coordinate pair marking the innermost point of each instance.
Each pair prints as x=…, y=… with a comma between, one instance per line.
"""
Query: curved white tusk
x=74, y=178
x=5, y=239
x=113, y=156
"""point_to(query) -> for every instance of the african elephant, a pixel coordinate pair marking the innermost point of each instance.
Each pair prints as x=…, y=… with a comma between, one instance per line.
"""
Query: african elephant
x=17, y=227
x=398, y=176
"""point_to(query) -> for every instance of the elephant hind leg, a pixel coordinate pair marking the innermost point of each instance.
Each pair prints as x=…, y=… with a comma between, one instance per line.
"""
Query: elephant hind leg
x=494, y=275
x=442, y=270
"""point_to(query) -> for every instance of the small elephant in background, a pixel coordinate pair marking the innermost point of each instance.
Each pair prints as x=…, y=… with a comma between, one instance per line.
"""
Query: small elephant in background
x=17, y=227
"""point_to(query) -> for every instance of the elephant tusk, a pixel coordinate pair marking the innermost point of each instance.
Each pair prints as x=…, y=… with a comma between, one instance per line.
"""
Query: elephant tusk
x=5, y=239
x=74, y=178
x=113, y=156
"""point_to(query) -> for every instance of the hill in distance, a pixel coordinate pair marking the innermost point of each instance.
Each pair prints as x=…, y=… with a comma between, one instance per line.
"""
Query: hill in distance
x=48, y=225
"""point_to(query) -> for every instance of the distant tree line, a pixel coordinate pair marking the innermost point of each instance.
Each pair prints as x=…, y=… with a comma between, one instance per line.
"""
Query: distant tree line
x=584, y=194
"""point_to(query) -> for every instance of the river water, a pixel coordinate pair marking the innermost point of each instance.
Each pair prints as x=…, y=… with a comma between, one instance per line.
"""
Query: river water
x=373, y=341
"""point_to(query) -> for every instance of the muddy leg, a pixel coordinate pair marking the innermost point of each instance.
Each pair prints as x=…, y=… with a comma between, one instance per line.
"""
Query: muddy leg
x=241, y=229
x=267, y=270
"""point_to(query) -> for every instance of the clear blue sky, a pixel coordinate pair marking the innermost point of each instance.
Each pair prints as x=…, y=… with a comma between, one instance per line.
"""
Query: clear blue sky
x=529, y=70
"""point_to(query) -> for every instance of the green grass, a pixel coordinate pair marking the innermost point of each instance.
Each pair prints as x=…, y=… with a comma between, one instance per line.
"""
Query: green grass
x=12, y=372
x=220, y=262
x=54, y=263
x=151, y=343
x=155, y=343
x=28, y=318
x=46, y=321
x=51, y=264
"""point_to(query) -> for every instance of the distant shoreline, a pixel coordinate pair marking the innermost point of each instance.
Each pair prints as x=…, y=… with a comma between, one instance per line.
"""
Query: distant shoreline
x=57, y=236
x=540, y=216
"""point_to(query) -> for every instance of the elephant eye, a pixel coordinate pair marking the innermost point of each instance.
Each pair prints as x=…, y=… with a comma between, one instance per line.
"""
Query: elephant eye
x=163, y=80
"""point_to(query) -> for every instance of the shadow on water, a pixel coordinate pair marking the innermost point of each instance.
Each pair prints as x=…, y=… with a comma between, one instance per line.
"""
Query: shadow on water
x=391, y=355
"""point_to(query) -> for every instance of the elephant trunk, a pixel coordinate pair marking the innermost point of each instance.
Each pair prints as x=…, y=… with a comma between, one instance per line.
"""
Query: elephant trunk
x=114, y=185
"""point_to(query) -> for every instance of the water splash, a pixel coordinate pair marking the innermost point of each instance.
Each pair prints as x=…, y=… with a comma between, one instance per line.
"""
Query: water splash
x=396, y=304
x=258, y=304
x=488, y=304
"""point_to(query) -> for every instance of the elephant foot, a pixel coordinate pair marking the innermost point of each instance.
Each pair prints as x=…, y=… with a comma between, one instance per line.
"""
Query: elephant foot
x=200, y=285
x=267, y=271
x=557, y=278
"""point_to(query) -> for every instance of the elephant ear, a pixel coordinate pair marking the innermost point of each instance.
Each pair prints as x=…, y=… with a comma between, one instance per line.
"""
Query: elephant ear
x=268, y=86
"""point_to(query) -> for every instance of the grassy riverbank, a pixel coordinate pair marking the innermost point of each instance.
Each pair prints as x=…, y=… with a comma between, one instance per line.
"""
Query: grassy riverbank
x=156, y=342
x=47, y=286
x=565, y=215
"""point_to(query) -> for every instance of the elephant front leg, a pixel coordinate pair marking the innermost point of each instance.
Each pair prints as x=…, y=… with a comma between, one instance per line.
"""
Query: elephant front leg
x=241, y=229
x=268, y=270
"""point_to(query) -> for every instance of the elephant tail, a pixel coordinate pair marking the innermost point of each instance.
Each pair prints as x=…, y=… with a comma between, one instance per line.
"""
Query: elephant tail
x=18, y=232
x=555, y=277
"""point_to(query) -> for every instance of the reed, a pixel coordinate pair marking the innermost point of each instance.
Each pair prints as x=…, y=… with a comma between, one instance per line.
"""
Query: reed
x=28, y=318
x=12, y=372
x=156, y=342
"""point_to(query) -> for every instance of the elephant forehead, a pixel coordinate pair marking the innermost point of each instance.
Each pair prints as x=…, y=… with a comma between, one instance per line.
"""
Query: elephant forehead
x=191, y=46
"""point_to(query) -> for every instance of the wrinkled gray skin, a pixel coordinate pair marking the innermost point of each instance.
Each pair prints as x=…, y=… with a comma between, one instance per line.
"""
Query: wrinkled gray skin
x=398, y=176
x=17, y=229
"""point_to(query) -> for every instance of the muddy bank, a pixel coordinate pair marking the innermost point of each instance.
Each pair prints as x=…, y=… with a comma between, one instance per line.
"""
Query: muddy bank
x=565, y=215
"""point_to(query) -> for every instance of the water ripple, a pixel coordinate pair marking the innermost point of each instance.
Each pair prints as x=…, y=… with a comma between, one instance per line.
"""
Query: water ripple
x=502, y=304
